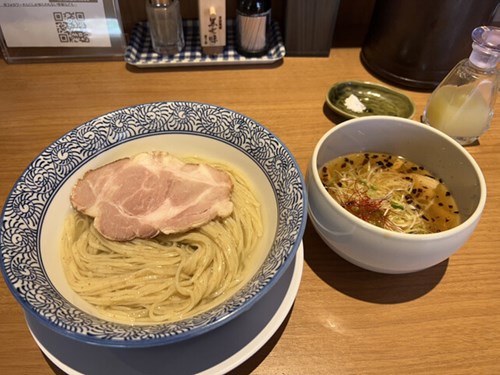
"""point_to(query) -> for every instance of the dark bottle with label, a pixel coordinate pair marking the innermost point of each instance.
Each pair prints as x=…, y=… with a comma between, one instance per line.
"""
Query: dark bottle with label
x=253, y=27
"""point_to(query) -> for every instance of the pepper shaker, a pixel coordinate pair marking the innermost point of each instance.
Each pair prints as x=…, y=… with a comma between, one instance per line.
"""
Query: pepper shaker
x=165, y=26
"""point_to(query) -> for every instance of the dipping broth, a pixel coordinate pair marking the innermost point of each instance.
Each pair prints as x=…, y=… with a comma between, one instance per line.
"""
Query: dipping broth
x=390, y=192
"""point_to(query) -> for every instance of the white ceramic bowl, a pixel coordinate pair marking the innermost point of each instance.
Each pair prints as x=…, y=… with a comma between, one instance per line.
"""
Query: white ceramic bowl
x=377, y=249
x=37, y=205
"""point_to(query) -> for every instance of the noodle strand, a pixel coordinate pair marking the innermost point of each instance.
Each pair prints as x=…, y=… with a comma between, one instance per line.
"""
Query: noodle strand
x=167, y=278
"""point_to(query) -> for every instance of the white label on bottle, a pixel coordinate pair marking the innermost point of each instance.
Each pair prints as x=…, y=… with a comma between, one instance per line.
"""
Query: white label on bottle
x=54, y=23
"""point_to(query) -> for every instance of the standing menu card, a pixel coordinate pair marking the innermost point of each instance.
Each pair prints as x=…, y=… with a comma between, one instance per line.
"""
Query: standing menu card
x=34, y=30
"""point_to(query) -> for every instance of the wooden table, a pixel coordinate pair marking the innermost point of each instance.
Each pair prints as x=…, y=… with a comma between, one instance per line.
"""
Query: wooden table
x=444, y=320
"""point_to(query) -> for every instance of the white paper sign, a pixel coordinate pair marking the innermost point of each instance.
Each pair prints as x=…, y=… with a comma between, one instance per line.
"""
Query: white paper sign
x=54, y=23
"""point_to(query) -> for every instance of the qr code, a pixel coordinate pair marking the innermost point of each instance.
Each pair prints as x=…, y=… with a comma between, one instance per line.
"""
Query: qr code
x=71, y=27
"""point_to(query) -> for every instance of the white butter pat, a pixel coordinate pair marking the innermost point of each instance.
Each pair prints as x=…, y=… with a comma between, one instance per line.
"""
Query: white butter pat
x=354, y=104
x=212, y=18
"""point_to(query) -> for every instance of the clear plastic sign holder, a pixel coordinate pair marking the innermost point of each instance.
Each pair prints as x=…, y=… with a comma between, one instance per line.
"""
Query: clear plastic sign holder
x=59, y=30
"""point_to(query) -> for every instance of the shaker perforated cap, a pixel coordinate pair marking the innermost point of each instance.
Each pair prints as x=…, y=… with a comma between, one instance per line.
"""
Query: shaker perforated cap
x=485, y=47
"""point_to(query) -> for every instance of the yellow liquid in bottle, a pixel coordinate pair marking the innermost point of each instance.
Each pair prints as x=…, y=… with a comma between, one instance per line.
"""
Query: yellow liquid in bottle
x=459, y=111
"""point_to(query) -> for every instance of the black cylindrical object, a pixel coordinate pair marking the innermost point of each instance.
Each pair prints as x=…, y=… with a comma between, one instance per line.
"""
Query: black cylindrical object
x=415, y=43
x=253, y=27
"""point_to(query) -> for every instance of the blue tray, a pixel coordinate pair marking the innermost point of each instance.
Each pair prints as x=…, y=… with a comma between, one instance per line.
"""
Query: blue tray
x=140, y=52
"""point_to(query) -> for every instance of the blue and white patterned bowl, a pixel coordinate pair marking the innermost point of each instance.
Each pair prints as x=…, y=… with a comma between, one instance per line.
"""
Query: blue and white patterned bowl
x=35, y=210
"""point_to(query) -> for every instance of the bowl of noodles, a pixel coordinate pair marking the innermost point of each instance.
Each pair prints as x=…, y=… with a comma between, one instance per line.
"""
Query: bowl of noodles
x=392, y=195
x=79, y=282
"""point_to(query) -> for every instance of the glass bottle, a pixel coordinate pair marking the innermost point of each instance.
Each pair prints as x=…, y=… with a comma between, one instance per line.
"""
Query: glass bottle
x=463, y=103
x=253, y=27
x=165, y=26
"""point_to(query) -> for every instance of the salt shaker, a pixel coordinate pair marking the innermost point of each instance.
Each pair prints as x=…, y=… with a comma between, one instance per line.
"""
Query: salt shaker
x=165, y=26
x=253, y=27
x=462, y=105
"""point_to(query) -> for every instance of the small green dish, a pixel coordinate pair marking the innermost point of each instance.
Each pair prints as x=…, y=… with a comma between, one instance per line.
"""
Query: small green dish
x=359, y=99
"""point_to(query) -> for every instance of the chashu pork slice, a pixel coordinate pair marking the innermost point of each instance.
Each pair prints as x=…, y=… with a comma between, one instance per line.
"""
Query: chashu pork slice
x=141, y=196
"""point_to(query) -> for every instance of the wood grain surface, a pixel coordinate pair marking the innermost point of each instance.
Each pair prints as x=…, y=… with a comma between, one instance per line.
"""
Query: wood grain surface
x=345, y=320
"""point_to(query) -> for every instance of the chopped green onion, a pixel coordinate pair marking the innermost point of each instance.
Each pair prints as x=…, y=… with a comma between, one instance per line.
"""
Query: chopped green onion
x=397, y=205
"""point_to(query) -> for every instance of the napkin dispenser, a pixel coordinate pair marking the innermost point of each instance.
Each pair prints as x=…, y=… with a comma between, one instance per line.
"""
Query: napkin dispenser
x=212, y=20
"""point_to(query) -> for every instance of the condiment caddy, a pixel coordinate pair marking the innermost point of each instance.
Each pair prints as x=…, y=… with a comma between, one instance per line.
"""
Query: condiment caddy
x=140, y=52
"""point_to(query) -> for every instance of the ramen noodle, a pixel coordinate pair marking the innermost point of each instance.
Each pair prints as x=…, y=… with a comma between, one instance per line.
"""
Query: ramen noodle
x=169, y=277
